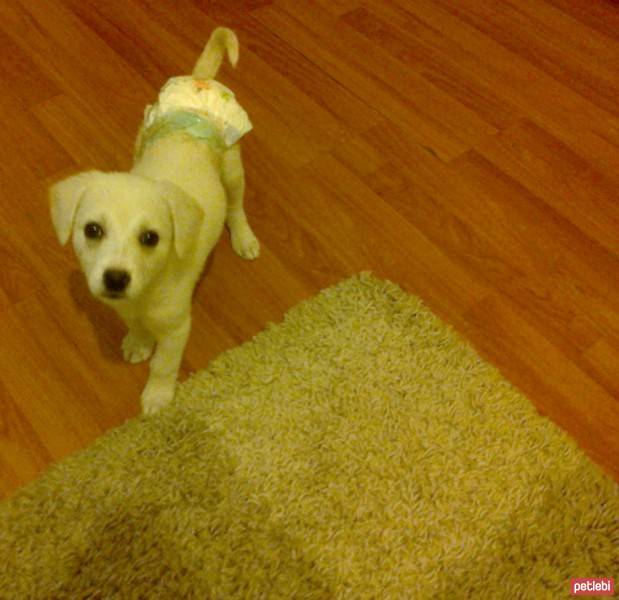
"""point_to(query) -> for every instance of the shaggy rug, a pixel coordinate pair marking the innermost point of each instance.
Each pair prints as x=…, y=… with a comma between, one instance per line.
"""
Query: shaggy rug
x=359, y=449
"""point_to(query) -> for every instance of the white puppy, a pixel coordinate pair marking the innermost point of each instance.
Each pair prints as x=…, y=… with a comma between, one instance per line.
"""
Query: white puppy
x=142, y=237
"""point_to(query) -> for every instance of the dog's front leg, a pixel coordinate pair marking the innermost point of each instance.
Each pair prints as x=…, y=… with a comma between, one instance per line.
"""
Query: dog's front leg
x=138, y=344
x=164, y=367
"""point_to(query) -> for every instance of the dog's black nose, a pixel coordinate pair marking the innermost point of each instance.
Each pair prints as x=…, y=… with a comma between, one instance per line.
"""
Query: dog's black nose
x=116, y=280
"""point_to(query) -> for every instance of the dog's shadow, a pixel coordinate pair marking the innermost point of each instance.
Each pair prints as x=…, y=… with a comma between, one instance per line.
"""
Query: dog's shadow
x=107, y=326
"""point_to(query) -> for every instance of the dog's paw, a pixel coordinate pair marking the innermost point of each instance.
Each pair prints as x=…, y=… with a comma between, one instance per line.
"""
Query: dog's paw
x=137, y=348
x=245, y=243
x=155, y=397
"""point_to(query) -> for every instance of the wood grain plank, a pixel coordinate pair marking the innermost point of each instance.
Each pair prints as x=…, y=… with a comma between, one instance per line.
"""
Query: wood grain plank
x=362, y=225
x=399, y=93
x=569, y=267
x=75, y=135
x=600, y=361
x=600, y=15
x=587, y=129
x=507, y=237
x=28, y=151
x=51, y=30
x=564, y=180
x=22, y=455
x=161, y=51
x=21, y=76
x=41, y=391
x=416, y=43
x=583, y=59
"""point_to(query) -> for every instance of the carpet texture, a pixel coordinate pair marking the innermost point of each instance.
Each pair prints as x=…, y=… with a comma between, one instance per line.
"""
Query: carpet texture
x=359, y=449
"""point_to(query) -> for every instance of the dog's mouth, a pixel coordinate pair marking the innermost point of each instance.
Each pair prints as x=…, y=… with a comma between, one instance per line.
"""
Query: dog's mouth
x=114, y=295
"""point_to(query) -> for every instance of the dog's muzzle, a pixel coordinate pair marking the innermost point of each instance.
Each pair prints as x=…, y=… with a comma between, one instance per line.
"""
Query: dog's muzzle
x=116, y=282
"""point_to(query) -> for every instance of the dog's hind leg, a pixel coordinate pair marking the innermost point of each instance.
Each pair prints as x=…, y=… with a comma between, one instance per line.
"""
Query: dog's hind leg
x=244, y=242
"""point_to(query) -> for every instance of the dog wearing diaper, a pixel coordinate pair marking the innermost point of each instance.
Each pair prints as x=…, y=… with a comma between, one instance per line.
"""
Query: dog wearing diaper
x=142, y=237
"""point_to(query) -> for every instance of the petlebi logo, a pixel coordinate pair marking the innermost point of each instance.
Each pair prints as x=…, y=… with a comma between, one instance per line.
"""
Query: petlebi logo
x=601, y=586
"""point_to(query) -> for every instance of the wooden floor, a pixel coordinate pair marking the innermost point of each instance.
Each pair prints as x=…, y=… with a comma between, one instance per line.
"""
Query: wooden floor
x=467, y=150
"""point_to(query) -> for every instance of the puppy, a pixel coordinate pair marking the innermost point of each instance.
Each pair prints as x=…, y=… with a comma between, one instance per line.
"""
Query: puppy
x=142, y=237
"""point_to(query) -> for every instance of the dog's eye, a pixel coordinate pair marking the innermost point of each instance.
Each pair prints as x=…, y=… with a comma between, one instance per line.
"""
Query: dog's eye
x=93, y=231
x=149, y=238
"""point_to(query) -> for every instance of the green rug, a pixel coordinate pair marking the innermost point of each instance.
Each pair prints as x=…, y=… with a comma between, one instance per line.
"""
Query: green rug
x=357, y=450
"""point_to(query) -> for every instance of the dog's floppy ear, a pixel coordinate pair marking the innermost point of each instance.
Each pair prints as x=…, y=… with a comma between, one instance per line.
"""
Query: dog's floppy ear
x=187, y=216
x=64, y=198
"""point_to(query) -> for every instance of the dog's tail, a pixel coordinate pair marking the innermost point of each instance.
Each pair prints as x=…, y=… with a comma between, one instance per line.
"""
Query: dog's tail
x=221, y=40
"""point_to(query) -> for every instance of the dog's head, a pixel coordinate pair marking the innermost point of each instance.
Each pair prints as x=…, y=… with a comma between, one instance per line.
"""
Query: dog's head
x=125, y=228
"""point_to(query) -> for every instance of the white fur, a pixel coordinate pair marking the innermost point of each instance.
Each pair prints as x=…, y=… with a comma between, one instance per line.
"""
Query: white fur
x=185, y=191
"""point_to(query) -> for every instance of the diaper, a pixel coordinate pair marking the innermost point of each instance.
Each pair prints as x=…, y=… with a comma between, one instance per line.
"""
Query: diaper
x=202, y=108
